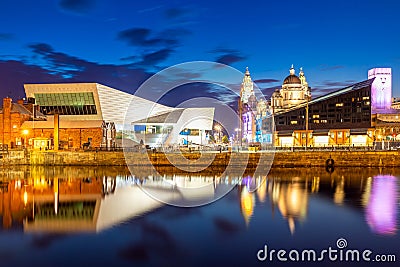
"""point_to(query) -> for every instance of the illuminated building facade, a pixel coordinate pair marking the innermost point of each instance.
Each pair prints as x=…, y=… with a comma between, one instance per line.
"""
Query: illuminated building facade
x=294, y=91
x=252, y=113
x=12, y=116
x=357, y=115
x=139, y=119
x=381, y=91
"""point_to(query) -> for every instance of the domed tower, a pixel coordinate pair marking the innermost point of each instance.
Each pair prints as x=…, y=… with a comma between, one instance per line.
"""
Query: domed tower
x=292, y=91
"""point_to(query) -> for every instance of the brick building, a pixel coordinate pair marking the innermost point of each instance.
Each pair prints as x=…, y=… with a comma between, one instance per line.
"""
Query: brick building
x=12, y=116
x=72, y=134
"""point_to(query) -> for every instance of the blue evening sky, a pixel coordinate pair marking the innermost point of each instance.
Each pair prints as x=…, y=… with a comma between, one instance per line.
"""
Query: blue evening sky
x=121, y=43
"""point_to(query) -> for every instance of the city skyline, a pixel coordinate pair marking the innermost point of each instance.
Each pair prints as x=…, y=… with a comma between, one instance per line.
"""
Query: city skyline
x=121, y=44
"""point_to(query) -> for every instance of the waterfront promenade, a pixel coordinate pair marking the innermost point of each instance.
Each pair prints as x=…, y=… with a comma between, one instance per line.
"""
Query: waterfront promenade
x=287, y=159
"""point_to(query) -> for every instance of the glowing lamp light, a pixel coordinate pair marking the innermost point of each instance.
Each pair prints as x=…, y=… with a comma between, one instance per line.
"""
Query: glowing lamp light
x=25, y=198
x=25, y=132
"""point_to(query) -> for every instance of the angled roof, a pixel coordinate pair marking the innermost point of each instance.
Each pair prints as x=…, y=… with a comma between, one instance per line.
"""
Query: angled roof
x=17, y=108
x=167, y=117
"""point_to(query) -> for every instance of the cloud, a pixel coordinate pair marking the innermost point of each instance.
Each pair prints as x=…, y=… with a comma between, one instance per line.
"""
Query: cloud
x=328, y=83
x=227, y=56
x=46, y=65
x=266, y=81
x=150, y=9
x=330, y=68
x=77, y=6
x=143, y=36
x=153, y=47
x=156, y=57
x=138, y=37
x=6, y=36
x=129, y=58
x=229, y=59
x=173, y=13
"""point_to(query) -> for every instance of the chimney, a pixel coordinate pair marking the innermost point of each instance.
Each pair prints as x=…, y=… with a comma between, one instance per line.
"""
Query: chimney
x=7, y=103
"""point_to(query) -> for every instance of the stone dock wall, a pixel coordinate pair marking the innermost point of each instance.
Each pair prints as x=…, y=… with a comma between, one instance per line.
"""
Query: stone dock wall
x=278, y=159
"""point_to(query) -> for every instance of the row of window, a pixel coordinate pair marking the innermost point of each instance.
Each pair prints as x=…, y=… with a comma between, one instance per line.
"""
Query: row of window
x=69, y=110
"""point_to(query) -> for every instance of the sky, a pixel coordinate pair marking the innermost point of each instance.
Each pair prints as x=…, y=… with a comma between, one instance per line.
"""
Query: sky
x=122, y=43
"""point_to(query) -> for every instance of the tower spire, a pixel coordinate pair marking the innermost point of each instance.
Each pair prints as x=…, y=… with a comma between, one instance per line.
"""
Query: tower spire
x=291, y=71
x=247, y=87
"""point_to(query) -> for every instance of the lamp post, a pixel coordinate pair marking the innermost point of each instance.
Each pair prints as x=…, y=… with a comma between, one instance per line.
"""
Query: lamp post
x=307, y=99
x=218, y=128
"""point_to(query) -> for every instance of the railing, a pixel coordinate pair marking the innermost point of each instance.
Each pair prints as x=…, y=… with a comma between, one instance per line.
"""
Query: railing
x=376, y=146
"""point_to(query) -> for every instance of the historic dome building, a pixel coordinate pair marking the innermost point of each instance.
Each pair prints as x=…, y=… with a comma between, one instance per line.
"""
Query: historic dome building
x=294, y=91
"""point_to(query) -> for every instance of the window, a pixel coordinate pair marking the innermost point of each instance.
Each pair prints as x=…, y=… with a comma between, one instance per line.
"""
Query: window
x=340, y=134
x=316, y=121
x=293, y=122
x=339, y=104
x=324, y=121
x=316, y=116
x=66, y=103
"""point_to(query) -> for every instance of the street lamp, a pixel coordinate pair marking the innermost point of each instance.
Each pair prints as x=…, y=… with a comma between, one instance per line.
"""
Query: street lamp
x=218, y=128
x=25, y=133
x=308, y=96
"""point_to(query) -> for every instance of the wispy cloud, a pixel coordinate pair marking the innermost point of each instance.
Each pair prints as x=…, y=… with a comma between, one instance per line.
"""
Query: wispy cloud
x=228, y=56
x=77, y=6
x=174, y=13
x=266, y=81
x=154, y=47
x=330, y=68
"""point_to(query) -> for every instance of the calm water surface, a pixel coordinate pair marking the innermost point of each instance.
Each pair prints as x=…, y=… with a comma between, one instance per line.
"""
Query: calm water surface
x=80, y=216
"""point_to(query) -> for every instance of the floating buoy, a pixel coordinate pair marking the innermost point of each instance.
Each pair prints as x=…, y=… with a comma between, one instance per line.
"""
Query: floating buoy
x=329, y=162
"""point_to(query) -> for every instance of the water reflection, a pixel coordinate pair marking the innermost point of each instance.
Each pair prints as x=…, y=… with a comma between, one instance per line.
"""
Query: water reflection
x=381, y=210
x=77, y=200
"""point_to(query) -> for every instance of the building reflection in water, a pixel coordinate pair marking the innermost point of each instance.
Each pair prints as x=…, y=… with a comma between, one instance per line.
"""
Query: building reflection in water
x=290, y=196
x=247, y=203
x=57, y=202
x=381, y=210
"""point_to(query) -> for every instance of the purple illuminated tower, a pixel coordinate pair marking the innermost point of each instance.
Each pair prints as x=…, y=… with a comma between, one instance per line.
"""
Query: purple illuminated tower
x=381, y=89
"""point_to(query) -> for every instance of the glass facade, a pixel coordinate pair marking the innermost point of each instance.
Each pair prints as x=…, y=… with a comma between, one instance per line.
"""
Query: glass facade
x=81, y=103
